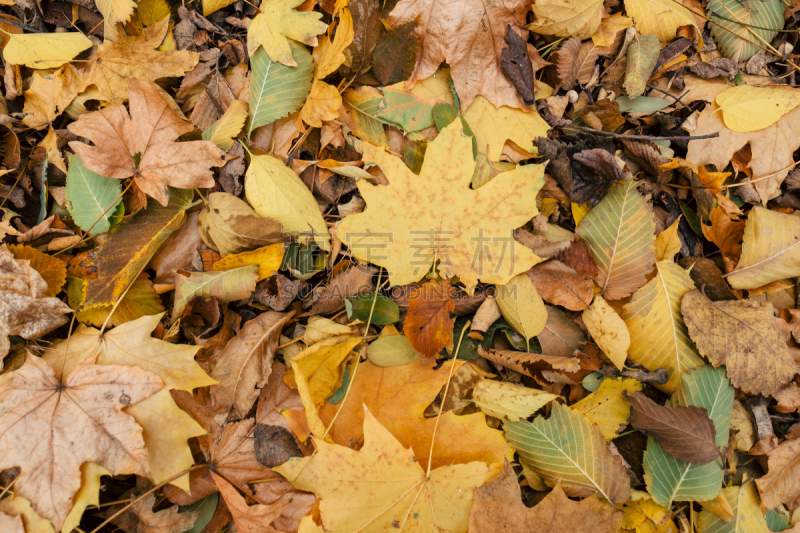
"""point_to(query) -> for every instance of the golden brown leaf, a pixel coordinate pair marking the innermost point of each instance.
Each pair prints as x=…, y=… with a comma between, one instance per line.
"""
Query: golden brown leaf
x=727, y=234
x=229, y=225
x=52, y=269
x=429, y=325
x=782, y=482
x=559, y=284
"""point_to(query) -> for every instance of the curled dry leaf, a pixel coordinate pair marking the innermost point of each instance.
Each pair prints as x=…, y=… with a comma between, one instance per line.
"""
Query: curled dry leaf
x=229, y=225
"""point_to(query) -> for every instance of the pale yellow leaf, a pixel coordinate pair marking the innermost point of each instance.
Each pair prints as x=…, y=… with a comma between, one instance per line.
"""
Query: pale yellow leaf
x=745, y=108
x=747, y=513
x=567, y=18
x=606, y=407
x=609, y=27
x=224, y=130
x=507, y=400
x=88, y=495
x=608, y=331
x=661, y=18
x=268, y=259
x=19, y=506
x=321, y=105
x=522, y=307
x=276, y=23
x=114, y=11
x=276, y=192
x=668, y=242
x=44, y=50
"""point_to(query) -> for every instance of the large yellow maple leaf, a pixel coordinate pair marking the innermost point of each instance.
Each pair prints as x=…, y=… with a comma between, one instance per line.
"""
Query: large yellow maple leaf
x=382, y=487
x=418, y=220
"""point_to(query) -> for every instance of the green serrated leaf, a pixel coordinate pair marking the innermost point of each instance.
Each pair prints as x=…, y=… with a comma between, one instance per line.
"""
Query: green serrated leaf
x=276, y=90
x=763, y=19
x=570, y=450
x=91, y=198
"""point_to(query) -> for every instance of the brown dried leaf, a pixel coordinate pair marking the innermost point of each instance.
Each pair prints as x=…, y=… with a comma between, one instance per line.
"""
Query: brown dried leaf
x=352, y=282
x=50, y=427
x=782, y=482
x=498, y=507
x=149, y=131
x=530, y=364
x=229, y=225
x=429, y=326
x=395, y=55
x=231, y=453
x=24, y=308
x=575, y=62
x=686, y=433
x=245, y=364
x=727, y=234
x=705, y=273
x=558, y=284
x=249, y=518
x=744, y=336
x=516, y=65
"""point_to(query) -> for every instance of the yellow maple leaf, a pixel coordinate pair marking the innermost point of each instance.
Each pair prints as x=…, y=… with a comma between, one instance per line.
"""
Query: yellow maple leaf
x=382, y=487
x=278, y=22
x=49, y=95
x=324, y=100
x=659, y=17
x=417, y=220
x=494, y=126
x=116, y=63
x=609, y=27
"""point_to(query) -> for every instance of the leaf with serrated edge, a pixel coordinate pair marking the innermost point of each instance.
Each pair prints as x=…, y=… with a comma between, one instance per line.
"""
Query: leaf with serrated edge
x=748, y=28
x=131, y=345
x=91, y=198
x=437, y=201
x=669, y=479
x=770, y=250
x=507, y=400
x=44, y=50
x=606, y=407
x=276, y=91
x=383, y=484
x=744, y=336
x=226, y=286
x=619, y=235
x=277, y=23
x=748, y=517
x=659, y=338
x=570, y=450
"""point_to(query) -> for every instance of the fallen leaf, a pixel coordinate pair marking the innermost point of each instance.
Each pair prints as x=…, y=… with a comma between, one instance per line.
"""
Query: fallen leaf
x=395, y=54
x=248, y=518
x=619, y=235
x=226, y=286
x=530, y=364
x=470, y=36
x=117, y=63
x=742, y=335
x=269, y=260
x=429, y=325
x=498, y=507
x=575, y=63
x=17, y=506
x=506, y=400
x=657, y=328
x=739, y=29
x=150, y=131
x=44, y=50
x=522, y=307
x=245, y=364
x=50, y=428
x=404, y=495
x=550, y=447
x=52, y=270
x=770, y=251
x=385, y=227
x=399, y=403
x=229, y=225
x=567, y=18
x=746, y=507
x=745, y=108
x=166, y=520
x=276, y=23
x=228, y=126
x=606, y=407
x=608, y=330
x=48, y=96
x=668, y=242
x=412, y=108
x=606, y=34
x=727, y=234
x=345, y=284
x=683, y=432
x=658, y=18
x=92, y=199
x=11, y=524
x=493, y=127
x=559, y=284
x=231, y=450
x=24, y=308
x=561, y=336
x=642, y=56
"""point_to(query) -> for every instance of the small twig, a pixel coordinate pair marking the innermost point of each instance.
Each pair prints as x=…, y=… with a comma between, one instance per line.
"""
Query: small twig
x=21, y=26
x=643, y=137
x=662, y=91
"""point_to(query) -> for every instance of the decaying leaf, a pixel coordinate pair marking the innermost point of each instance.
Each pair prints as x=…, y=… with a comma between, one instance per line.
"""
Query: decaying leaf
x=229, y=225
x=742, y=335
x=429, y=325
x=506, y=400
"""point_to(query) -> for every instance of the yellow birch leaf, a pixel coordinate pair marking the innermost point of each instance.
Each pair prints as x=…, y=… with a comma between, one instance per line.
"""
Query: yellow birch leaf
x=609, y=27
x=746, y=108
x=131, y=345
x=462, y=229
x=276, y=192
x=668, y=242
x=276, y=23
x=166, y=432
x=229, y=125
x=268, y=259
x=88, y=495
x=383, y=487
x=522, y=307
x=746, y=506
x=507, y=400
x=661, y=18
x=494, y=126
x=659, y=337
x=567, y=18
x=44, y=50
x=606, y=407
x=608, y=331
x=318, y=372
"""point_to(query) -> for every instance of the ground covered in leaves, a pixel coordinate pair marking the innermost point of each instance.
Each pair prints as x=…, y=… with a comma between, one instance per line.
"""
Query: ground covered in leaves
x=399, y=265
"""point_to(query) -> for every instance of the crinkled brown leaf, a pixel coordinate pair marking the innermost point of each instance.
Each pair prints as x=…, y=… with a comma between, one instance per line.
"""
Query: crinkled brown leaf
x=558, y=284
x=229, y=225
